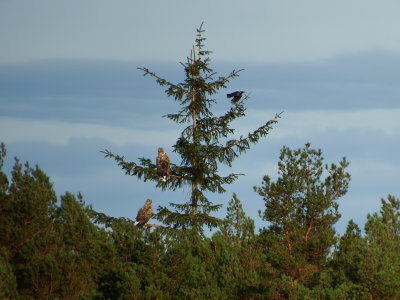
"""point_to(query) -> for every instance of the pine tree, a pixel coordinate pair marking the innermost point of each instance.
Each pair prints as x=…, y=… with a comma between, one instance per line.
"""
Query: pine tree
x=301, y=208
x=202, y=146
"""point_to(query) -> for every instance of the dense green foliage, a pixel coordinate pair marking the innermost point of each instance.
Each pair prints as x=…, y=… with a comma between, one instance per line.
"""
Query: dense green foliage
x=54, y=248
x=64, y=249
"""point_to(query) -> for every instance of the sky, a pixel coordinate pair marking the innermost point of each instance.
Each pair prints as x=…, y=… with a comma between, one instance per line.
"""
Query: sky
x=70, y=87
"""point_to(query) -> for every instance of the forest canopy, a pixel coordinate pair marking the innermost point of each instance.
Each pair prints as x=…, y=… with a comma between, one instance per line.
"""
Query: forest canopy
x=62, y=248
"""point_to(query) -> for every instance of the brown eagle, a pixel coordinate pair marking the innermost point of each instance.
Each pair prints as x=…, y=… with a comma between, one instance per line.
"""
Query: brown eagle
x=163, y=164
x=236, y=96
x=144, y=214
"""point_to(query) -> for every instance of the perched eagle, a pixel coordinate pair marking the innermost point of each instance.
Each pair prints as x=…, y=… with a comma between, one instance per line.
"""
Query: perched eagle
x=163, y=165
x=144, y=214
x=236, y=96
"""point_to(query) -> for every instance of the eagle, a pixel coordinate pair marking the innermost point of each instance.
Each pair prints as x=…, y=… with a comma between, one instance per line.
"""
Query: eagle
x=144, y=214
x=163, y=165
x=236, y=96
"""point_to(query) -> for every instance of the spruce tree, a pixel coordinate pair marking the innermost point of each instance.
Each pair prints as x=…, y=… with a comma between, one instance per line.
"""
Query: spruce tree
x=203, y=145
x=237, y=226
x=380, y=266
x=346, y=263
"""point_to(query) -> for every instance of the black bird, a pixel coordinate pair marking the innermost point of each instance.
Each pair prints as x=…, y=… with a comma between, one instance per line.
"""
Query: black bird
x=236, y=96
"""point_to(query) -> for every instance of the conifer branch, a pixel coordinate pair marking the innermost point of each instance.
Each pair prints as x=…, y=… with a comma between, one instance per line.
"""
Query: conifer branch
x=243, y=144
x=212, y=87
x=173, y=88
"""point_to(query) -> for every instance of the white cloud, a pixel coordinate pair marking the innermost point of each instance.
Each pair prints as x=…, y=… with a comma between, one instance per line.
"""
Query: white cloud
x=56, y=132
x=309, y=122
x=299, y=124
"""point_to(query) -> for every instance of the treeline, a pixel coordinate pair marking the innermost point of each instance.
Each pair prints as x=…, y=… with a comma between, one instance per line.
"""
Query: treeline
x=62, y=249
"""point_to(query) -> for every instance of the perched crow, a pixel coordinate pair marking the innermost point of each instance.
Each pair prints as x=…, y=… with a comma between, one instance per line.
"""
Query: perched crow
x=236, y=96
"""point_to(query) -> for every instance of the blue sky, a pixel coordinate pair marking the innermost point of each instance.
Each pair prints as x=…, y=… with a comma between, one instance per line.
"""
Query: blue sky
x=69, y=88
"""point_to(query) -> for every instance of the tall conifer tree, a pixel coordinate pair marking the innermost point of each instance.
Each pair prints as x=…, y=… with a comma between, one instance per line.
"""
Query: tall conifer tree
x=202, y=146
x=301, y=208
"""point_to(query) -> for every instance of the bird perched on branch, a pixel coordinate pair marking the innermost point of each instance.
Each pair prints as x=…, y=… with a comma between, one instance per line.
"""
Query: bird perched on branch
x=144, y=214
x=163, y=165
x=236, y=96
